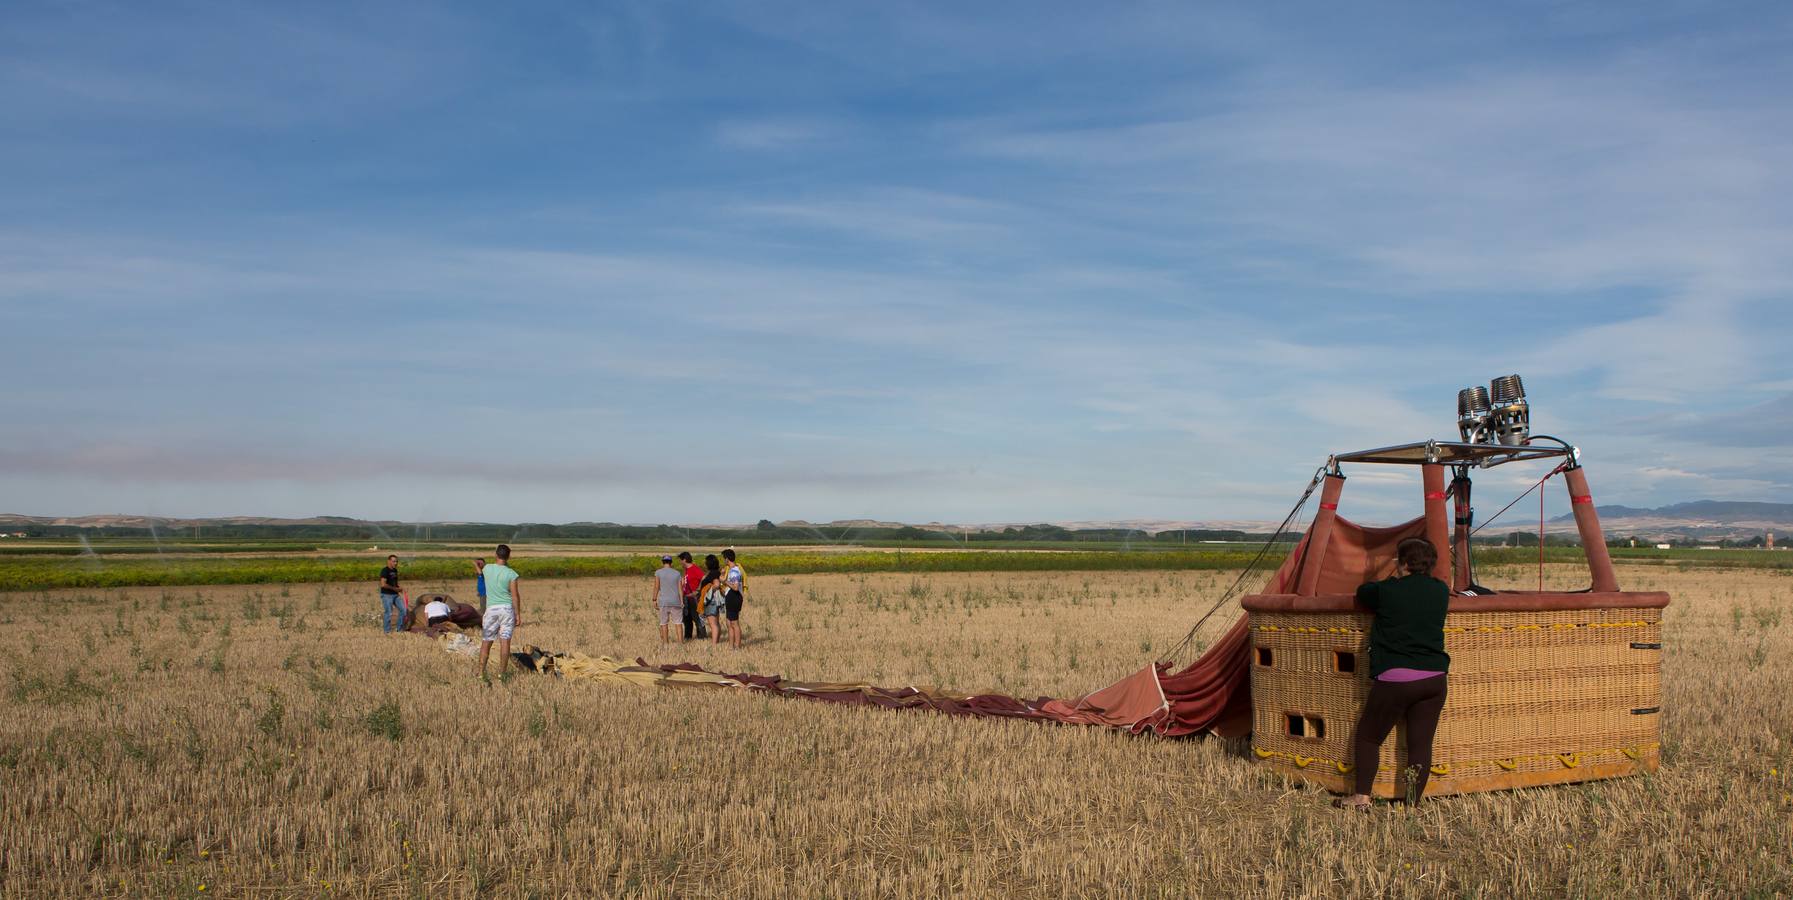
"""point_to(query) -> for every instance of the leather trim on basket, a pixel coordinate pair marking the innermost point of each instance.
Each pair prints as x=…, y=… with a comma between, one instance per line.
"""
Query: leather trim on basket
x=1518, y=601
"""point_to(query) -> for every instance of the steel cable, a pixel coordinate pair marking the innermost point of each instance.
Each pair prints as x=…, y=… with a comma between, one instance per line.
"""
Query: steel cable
x=1251, y=567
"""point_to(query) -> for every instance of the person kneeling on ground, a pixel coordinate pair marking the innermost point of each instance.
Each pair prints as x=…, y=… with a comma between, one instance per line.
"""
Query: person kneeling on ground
x=428, y=616
x=436, y=612
x=1408, y=668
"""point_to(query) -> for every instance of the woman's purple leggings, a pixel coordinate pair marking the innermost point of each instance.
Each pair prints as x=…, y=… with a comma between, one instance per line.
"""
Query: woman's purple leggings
x=1419, y=703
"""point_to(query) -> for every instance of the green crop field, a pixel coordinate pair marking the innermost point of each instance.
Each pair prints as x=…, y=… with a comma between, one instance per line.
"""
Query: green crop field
x=62, y=572
x=300, y=563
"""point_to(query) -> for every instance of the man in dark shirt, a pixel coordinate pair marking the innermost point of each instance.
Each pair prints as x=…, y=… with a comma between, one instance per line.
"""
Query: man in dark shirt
x=694, y=575
x=392, y=602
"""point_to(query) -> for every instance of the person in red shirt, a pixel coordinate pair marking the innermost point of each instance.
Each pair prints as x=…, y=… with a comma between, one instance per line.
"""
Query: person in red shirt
x=694, y=574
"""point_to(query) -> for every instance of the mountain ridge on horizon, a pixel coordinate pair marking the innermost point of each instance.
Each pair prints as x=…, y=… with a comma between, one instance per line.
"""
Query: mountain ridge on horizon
x=1705, y=510
x=1699, y=519
x=122, y=520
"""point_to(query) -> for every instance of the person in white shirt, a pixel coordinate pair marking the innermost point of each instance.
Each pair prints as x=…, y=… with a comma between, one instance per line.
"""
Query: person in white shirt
x=436, y=612
x=734, y=585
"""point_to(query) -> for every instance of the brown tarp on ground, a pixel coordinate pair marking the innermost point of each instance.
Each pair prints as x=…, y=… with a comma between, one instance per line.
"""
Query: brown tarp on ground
x=580, y=666
x=1211, y=694
x=461, y=615
x=912, y=697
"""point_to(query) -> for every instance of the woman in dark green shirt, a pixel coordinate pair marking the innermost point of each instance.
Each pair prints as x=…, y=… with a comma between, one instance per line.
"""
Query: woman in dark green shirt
x=1407, y=669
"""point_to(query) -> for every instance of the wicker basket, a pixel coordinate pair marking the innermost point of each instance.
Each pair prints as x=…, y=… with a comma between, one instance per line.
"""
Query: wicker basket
x=1544, y=689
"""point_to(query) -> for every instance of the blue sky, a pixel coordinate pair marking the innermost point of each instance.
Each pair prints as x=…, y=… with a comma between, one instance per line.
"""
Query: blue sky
x=705, y=262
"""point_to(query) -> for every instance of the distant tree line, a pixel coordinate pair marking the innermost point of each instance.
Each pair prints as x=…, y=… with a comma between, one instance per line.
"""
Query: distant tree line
x=764, y=531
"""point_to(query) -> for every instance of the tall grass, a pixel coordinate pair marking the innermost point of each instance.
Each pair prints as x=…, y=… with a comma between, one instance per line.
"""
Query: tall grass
x=269, y=741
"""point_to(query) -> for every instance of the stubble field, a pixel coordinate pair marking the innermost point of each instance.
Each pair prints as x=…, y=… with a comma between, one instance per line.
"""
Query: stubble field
x=269, y=741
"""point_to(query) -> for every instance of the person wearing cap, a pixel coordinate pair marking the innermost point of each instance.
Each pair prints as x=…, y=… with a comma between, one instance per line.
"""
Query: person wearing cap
x=693, y=576
x=669, y=601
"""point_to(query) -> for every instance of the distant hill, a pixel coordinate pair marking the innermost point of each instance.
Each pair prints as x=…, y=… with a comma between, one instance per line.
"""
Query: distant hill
x=1694, y=520
x=1707, y=511
x=1699, y=520
x=787, y=531
x=1700, y=511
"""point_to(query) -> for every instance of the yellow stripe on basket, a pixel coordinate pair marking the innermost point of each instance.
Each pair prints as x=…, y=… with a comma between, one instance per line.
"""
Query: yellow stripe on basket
x=1443, y=769
x=1462, y=629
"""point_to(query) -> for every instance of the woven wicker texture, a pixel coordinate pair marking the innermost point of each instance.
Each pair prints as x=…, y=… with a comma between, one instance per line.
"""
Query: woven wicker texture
x=1534, y=698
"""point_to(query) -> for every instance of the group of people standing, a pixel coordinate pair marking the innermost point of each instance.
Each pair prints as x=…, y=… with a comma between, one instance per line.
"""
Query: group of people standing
x=700, y=598
x=704, y=600
x=500, y=606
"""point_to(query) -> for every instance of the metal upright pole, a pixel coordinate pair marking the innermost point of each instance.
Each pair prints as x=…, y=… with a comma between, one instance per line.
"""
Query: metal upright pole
x=1587, y=523
x=1437, y=522
x=1319, y=534
x=1461, y=576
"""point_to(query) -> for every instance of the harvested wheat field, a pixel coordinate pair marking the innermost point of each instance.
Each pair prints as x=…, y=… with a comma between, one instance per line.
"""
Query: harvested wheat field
x=272, y=742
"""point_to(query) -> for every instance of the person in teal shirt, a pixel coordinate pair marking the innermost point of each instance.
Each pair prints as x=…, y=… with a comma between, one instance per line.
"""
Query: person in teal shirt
x=501, y=610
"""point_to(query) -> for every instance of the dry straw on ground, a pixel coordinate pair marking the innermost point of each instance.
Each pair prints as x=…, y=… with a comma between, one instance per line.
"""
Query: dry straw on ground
x=271, y=742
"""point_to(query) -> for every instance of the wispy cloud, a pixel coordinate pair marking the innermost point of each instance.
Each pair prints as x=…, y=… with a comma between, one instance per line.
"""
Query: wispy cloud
x=774, y=134
x=901, y=263
x=250, y=463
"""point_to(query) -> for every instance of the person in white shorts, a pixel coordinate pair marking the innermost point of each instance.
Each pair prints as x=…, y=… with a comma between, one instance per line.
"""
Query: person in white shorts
x=501, y=612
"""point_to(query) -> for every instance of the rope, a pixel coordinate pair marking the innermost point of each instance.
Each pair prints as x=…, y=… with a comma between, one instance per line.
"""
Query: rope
x=1541, y=538
x=1183, y=644
x=1547, y=476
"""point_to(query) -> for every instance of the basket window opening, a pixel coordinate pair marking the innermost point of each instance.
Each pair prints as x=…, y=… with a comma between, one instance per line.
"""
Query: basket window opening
x=1266, y=657
x=1344, y=661
x=1302, y=726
